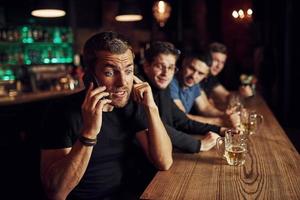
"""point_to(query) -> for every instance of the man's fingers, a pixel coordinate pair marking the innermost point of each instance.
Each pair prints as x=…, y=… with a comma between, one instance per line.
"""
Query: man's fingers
x=100, y=105
x=95, y=99
x=90, y=88
x=136, y=79
x=140, y=88
x=138, y=94
x=97, y=90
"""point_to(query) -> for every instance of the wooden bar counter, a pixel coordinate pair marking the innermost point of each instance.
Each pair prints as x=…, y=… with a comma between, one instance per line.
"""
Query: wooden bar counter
x=35, y=96
x=271, y=171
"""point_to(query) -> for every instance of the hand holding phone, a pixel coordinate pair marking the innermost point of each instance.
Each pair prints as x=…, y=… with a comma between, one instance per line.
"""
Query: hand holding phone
x=142, y=92
x=92, y=109
x=89, y=78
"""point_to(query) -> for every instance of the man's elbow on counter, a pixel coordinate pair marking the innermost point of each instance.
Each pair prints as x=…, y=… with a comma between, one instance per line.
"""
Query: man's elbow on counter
x=166, y=165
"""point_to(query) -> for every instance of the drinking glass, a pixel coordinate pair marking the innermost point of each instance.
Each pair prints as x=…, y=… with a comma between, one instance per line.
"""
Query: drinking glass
x=251, y=121
x=233, y=147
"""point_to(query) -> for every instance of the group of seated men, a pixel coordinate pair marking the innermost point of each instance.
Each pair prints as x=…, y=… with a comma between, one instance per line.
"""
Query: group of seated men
x=90, y=139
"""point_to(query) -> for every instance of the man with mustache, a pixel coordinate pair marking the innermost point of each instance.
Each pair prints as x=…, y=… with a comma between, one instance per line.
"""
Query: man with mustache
x=88, y=137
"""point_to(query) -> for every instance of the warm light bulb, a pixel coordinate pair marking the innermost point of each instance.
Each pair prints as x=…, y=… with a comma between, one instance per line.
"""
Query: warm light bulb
x=241, y=14
x=249, y=11
x=235, y=14
x=161, y=7
x=161, y=12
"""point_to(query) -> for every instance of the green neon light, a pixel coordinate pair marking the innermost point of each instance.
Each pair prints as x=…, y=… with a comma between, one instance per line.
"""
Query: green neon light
x=46, y=60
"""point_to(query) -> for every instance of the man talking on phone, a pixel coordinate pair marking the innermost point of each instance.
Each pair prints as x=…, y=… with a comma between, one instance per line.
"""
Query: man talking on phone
x=88, y=136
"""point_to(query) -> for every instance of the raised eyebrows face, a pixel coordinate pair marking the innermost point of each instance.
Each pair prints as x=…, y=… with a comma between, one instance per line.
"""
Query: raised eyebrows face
x=115, y=71
x=219, y=60
x=193, y=72
x=161, y=71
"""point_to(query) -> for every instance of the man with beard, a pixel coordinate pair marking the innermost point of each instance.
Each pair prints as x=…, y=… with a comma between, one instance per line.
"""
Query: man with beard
x=88, y=136
x=187, y=94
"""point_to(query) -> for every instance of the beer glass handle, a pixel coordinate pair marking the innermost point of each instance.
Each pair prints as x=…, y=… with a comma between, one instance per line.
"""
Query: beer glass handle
x=221, y=146
x=260, y=119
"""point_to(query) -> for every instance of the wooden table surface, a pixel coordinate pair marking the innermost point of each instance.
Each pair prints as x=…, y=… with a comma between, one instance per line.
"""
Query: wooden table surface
x=271, y=171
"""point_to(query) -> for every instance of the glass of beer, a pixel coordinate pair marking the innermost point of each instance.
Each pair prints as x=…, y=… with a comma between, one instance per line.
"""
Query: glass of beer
x=233, y=147
x=234, y=103
x=250, y=121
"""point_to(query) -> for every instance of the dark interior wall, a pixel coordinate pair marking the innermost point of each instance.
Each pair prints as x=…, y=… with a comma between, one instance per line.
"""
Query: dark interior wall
x=278, y=38
x=279, y=70
x=294, y=109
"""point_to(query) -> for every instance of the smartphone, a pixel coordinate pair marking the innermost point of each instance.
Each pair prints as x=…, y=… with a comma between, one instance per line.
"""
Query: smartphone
x=88, y=78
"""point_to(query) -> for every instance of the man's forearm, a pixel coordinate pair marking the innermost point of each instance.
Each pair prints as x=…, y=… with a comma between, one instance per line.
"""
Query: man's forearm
x=182, y=140
x=210, y=120
x=60, y=177
x=160, y=146
x=211, y=111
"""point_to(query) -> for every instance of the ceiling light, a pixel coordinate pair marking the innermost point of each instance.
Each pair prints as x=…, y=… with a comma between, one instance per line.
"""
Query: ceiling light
x=129, y=11
x=49, y=9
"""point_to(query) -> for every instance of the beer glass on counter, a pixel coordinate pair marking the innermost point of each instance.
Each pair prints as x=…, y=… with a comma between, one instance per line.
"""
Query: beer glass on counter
x=235, y=103
x=233, y=147
x=250, y=121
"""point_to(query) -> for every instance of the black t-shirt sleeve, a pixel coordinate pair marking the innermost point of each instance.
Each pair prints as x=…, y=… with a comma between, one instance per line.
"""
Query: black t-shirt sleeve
x=183, y=141
x=209, y=84
x=56, y=127
x=183, y=123
x=140, y=121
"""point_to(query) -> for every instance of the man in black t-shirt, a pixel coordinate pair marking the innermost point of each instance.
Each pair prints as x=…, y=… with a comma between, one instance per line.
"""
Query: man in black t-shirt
x=212, y=85
x=87, y=139
x=214, y=90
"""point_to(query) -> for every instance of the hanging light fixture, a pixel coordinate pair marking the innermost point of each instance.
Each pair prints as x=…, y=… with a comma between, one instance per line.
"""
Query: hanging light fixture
x=161, y=11
x=129, y=11
x=48, y=9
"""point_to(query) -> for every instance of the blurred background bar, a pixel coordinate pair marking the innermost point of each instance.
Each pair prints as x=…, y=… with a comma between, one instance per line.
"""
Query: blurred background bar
x=40, y=59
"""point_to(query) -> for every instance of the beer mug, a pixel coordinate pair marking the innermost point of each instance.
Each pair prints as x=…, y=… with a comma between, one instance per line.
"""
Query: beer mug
x=233, y=147
x=250, y=121
x=235, y=103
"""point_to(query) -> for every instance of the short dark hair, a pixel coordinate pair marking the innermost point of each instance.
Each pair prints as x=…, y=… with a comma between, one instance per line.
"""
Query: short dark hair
x=105, y=41
x=203, y=56
x=160, y=47
x=217, y=47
